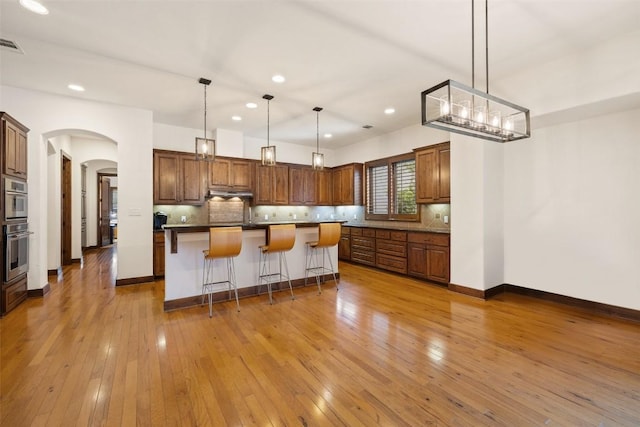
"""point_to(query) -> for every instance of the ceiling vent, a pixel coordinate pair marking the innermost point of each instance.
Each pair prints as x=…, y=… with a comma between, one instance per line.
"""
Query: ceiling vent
x=11, y=46
x=367, y=127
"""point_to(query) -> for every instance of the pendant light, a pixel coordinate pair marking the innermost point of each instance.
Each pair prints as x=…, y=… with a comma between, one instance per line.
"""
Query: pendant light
x=458, y=108
x=317, y=158
x=268, y=153
x=205, y=147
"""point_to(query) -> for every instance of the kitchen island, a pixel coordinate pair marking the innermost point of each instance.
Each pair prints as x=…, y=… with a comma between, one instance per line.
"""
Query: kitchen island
x=184, y=244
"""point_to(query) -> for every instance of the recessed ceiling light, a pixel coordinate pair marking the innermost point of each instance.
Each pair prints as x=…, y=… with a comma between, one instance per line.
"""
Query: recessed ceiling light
x=236, y=118
x=278, y=78
x=389, y=110
x=252, y=105
x=34, y=6
x=76, y=87
x=328, y=135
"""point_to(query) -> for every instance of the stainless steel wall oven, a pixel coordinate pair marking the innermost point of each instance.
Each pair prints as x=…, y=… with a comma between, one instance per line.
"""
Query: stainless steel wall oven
x=16, y=250
x=15, y=199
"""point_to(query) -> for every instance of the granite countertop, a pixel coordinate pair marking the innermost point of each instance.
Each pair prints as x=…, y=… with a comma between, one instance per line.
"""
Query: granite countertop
x=264, y=225
x=245, y=226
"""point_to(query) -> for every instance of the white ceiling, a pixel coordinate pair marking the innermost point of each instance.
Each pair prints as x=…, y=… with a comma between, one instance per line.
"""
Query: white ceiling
x=353, y=58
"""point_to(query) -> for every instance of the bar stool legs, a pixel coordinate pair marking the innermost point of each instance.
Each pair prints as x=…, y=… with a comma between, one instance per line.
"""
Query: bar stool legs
x=266, y=277
x=317, y=267
x=208, y=286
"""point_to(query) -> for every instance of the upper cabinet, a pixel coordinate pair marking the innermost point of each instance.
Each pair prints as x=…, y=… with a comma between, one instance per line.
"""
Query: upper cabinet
x=302, y=185
x=432, y=174
x=347, y=184
x=324, y=187
x=271, y=185
x=14, y=146
x=178, y=178
x=230, y=174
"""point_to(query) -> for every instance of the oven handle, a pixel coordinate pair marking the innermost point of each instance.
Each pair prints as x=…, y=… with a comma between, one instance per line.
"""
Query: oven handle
x=19, y=234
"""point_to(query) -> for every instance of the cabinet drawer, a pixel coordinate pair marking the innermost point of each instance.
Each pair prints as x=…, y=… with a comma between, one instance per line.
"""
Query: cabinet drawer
x=345, y=231
x=363, y=257
x=369, y=232
x=400, y=236
x=438, y=239
x=392, y=263
x=391, y=247
x=158, y=237
x=14, y=294
x=365, y=243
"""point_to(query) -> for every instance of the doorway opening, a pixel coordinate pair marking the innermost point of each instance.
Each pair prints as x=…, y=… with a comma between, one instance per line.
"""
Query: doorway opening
x=65, y=203
x=107, y=209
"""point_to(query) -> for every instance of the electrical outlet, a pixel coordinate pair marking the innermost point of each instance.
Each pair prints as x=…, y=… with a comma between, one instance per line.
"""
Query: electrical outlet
x=446, y=219
x=183, y=219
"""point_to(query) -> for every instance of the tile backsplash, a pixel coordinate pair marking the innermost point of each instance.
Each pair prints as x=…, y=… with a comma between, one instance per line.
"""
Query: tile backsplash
x=432, y=216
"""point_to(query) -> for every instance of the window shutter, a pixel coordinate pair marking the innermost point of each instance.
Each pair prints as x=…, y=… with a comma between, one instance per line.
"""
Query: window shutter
x=378, y=190
x=404, y=178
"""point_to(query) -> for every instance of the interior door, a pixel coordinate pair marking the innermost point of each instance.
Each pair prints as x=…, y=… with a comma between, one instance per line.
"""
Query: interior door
x=65, y=236
x=105, y=188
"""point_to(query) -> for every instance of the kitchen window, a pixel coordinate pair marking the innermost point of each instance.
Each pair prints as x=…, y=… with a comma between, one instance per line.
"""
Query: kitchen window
x=391, y=189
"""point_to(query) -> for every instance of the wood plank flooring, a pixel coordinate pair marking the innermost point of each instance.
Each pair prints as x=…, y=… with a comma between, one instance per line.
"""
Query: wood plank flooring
x=384, y=350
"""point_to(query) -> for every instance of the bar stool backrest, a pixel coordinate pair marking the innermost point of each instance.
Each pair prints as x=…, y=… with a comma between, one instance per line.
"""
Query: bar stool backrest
x=224, y=242
x=280, y=237
x=328, y=234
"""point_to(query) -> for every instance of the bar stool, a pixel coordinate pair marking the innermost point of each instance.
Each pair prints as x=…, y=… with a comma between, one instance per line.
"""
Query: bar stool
x=280, y=239
x=329, y=234
x=224, y=243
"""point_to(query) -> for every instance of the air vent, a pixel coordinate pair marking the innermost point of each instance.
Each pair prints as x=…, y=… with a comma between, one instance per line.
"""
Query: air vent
x=367, y=127
x=11, y=46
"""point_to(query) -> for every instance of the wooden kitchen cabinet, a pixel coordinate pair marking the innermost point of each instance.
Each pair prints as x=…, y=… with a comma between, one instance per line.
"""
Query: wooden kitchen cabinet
x=432, y=174
x=344, y=245
x=14, y=145
x=302, y=185
x=272, y=185
x=428, y=256
x=363, y=246
x=13, y=294
x=158, y=253
x=347, y=184
x=324, y=187
x=391, y=250
x=178, y=178
x=230, y=174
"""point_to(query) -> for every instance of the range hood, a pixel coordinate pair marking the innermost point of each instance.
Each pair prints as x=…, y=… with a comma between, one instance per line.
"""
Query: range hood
x=228, y=194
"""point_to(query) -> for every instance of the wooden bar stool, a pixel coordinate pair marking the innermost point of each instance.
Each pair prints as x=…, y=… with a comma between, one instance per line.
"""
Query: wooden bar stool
x=225, y=243
x=328, y=236
x=280, y=239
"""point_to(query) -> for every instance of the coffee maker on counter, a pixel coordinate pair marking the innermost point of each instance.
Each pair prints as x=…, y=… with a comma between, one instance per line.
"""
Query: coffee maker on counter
x=159, y=219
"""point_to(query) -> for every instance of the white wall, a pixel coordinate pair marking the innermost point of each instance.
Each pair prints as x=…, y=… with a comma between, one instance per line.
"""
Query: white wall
x=166, y=137
x=131, y=128
x=572, y=210
x=285, y=152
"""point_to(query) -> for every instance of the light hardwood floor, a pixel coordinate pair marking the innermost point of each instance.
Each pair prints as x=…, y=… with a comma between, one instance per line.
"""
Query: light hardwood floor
x=384, y=350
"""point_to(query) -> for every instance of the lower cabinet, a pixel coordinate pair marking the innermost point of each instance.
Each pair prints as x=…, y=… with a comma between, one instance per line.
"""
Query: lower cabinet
x=344, y=245
x=424, y=255
x=158, y=253
x=13, y=294
x=363, y=246
x=428, y=256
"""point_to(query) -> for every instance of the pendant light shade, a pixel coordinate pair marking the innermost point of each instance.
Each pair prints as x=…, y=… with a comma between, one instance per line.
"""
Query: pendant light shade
x=205, y=147
x=268, y=153
x=317, y=158
x=466, y=110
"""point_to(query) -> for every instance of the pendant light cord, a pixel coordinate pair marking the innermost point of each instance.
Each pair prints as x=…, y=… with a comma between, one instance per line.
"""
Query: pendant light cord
x=473, y=46
x=317, y=131
x=486, y=43
x=268, y=119
x=205, y=113
x=486, y=39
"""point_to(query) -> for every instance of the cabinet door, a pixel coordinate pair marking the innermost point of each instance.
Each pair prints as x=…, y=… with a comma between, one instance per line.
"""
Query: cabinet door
x=337, y=186
x=15, y=154
x=444, y=186
x=158, y=253
x=344, y=248
x=262, y=195
x=240, y=175
x=323, y=187
x=346, y=185
x=192, y=180
x=426, y=176
x=416, y=260
x=438, y=264
x=280, y=189
x=296, y=186
x=219, y=173
x=165, y=178
x=309, y=188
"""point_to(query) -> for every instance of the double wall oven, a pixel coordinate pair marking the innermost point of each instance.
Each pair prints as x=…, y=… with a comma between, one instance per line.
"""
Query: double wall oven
x=15, y=229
